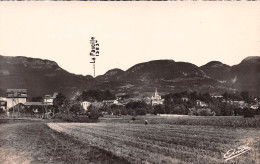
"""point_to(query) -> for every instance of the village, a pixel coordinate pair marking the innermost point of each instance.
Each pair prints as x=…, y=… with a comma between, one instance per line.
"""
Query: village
x=17, y=104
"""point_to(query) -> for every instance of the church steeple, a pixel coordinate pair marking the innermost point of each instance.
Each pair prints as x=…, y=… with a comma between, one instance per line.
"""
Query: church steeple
x=156, y=93
x=156, y=98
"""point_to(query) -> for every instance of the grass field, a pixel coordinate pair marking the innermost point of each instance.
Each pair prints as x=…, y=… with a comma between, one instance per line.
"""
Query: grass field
x=169, y=140
x=26, y=141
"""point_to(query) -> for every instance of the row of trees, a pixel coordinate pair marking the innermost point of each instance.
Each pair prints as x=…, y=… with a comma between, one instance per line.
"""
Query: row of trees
x=206, y=97
x=138, y=109
x=132, y=108
x=174, y=104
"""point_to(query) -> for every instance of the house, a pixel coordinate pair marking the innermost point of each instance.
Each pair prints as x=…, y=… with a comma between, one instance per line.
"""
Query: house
x=3, y=105
x=256, y=106
x=201, y=103
x=217, y=96
x=110, y=102
x=97, y=104
x=85, y=105
x=156, y=98
x=15, y=96
x=185, y=99
x=2, y=98
x=48, y=99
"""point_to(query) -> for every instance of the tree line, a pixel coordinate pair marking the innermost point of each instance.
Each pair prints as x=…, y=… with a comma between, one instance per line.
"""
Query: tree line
x=71, y=109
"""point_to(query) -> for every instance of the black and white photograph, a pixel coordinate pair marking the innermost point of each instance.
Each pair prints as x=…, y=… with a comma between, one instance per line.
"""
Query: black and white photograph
x=129, y=82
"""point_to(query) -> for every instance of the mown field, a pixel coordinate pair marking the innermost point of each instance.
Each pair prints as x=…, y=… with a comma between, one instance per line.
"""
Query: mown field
x=27, y=141
x=169, y=140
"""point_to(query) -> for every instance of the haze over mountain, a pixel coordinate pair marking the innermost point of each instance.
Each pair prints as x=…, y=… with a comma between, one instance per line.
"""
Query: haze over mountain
x=42, y=77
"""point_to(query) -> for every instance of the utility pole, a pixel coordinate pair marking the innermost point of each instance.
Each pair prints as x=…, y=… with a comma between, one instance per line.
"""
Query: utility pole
x=13, y=103
x=18, y=94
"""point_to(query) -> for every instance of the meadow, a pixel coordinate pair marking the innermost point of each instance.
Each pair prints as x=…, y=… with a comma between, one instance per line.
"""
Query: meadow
x=170, y=139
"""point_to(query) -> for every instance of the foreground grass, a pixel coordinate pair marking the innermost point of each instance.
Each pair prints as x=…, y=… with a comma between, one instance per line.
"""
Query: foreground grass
x=32, y=141
x=164, y=141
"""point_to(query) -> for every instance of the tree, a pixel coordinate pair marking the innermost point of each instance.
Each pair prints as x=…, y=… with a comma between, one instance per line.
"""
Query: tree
x=136, y=104
x=140, y=111
x=96, y=95
x=158, y=109
x=60, y=103
x=76, y=108
x=204, y=112
x=193, y=96
x=226, y=110
x=249, y=112
x=93, y=112
x=36, y=99
x=238, y=111
x=245, y=96
x=257, y=112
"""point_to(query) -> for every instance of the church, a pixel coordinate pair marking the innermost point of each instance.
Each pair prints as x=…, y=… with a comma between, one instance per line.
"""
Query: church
x=156, y=98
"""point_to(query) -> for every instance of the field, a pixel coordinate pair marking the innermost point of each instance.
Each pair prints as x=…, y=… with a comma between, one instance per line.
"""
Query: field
x=171, y=139
x=31, y=141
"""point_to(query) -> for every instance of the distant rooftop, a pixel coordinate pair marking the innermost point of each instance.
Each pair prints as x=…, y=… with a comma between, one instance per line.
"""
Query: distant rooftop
x=17, y=90
x=16, y=93
x=35, y=104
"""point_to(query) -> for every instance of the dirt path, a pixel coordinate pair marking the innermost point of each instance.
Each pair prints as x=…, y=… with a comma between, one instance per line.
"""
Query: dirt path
x=34, y=142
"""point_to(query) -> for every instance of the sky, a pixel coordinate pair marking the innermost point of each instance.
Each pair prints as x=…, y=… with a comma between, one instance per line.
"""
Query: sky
x=130, y=32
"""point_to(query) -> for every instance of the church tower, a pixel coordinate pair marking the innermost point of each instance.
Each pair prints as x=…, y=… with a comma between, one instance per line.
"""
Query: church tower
x=156, y=98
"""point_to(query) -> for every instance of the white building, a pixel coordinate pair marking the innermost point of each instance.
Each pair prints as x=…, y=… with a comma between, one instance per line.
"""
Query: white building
x=201, y=103
x=48, y=99
x=2, y=98
x=85, y=105
x=3, y=105
x=156, y=99
x=15, y=96
x=254, y=106
x=110, y=102
x=185, y=99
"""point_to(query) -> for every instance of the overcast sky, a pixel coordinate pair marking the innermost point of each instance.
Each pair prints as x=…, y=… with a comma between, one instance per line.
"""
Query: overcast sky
x=130, y=32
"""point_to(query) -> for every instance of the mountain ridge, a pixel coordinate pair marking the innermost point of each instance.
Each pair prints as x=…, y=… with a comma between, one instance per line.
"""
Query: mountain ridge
x=45, y=77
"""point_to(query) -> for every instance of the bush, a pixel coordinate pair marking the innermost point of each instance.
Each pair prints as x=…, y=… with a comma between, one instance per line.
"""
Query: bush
x=257, y=112
x=238, y=111
x=192, y=112
x=201, y=112
x=76, y=108
x=70, y=117
x=249, y=113
x=93, y=113
x=158, y=109
x=140, y=111
x=204, y=112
